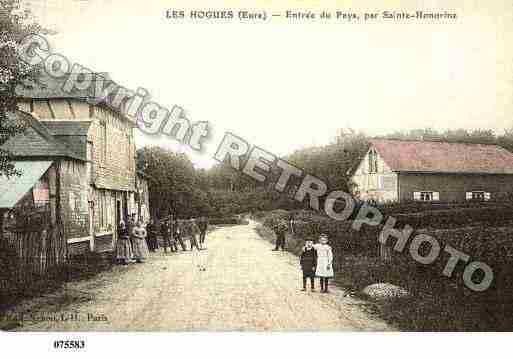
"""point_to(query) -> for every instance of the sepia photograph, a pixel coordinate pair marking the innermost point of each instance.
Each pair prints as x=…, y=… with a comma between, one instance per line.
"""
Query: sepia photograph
x=312, y=168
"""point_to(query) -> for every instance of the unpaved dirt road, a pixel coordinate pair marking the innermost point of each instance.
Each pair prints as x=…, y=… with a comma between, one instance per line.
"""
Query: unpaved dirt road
x=246, y=286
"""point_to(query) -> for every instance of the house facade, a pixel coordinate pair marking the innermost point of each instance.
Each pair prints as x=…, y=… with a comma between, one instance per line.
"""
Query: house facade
x=399, y=171
x=96, y=172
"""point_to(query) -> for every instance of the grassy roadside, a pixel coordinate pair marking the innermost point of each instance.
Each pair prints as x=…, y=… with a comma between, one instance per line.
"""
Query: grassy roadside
x=433, y=305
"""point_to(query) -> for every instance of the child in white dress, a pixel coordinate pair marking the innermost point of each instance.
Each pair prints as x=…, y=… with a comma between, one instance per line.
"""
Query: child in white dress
x=324, y=269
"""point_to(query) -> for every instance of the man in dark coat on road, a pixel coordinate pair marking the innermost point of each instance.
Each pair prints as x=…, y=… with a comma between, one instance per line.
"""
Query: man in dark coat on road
x=165, y=231
x=151, y=229
x=280, y=227
x=203, y=226
x=178, y=229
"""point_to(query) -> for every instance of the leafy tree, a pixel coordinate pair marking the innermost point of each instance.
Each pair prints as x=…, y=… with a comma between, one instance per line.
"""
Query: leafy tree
x=173, y=182
x=15, y=24
x=333, y=163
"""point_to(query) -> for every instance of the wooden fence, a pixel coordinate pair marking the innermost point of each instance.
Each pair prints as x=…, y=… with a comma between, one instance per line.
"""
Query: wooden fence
x=31, y=253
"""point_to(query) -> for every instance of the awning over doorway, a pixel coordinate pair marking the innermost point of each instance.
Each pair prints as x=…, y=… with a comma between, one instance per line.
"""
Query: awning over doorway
x=14, y=188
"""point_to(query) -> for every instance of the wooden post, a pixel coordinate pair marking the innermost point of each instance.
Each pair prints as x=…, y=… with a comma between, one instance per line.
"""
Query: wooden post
x=138, y=204
x=60, y=233
x=2, y=212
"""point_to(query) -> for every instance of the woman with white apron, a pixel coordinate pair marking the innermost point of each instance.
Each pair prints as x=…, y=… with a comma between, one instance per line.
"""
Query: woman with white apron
x=141, y=251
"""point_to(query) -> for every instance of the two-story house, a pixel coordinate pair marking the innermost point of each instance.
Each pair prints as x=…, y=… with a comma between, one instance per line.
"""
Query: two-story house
x=98, y=180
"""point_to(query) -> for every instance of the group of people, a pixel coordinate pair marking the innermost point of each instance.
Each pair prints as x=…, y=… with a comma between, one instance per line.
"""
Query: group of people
x=176, y=232
x=316, y=260
x=131, y=245
x=136, y=240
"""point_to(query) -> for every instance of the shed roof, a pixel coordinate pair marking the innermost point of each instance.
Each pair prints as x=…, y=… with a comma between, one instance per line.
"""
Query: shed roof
x=70, y=127
x=37, y=141
x=444, y=157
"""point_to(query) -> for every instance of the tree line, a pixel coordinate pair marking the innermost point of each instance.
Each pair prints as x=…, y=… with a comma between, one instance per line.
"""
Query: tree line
x=177, y=187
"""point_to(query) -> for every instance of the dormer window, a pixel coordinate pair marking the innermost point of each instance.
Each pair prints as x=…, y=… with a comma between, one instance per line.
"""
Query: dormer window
x=373, y=161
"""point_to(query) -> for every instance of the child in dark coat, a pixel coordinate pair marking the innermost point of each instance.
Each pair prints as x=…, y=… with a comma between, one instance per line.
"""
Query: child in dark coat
x=308, y=261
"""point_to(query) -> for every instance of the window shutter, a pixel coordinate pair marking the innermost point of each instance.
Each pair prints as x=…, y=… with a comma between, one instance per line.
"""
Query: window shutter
x=487, y=196
x=416, y=196
x=468, y=195
x=436, y=196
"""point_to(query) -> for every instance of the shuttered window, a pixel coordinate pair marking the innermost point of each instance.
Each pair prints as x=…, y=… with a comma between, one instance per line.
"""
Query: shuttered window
x=478, y=196
x=373, y=161
x=426, y=196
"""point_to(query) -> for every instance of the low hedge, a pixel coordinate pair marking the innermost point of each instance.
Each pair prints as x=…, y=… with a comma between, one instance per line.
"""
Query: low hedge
x=489, y=242
x=458, y=217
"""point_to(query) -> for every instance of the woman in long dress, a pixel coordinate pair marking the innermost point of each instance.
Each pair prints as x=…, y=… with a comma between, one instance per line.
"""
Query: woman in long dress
x=324, y=269
x=123, y=247
x=141, y=251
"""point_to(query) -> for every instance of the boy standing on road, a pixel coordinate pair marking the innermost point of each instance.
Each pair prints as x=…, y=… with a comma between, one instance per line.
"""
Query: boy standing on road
x=308, y=262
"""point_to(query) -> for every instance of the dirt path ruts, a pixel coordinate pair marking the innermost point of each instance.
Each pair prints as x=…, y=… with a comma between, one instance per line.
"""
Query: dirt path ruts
x=246, y=286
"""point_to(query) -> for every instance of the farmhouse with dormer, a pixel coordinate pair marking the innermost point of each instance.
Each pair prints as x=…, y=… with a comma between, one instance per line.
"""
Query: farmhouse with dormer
x=399, y=171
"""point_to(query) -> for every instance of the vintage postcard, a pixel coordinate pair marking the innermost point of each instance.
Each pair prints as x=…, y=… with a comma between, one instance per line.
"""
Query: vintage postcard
x=222, y=166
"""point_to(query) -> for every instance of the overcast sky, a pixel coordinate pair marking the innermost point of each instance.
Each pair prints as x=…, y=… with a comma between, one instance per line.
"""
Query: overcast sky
x=284, y=86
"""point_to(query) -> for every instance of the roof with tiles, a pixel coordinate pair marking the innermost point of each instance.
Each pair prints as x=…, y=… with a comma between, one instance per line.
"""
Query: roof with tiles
x=444, y=157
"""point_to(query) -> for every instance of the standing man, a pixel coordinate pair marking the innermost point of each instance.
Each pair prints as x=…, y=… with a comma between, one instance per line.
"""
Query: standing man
x=178, y=234
x=203, y=226
x=193, y=233
x=280, y=228
x=172, y=237
x=151, y=228
x=165, y=232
